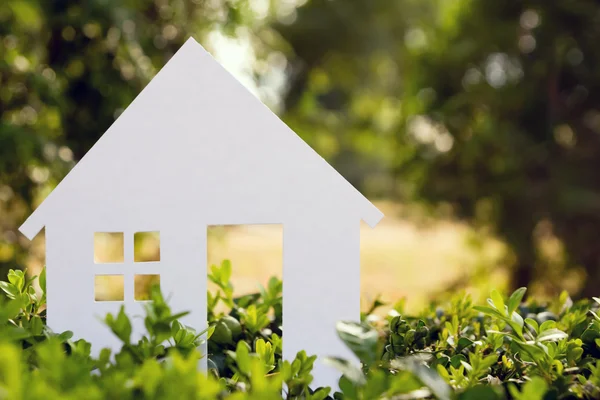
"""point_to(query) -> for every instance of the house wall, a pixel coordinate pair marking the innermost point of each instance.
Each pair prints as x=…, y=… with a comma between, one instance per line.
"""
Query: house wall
x=70, y=285
x=321, y=286
x=184, y=276
x=71, y=271
x=321, y=255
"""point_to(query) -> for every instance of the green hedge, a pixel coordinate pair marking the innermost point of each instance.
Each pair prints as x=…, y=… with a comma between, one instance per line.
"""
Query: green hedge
x=505, y=349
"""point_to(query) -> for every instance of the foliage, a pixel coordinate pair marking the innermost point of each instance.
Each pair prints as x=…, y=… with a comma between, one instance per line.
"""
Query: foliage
x=507, y=349
x=68, y=69
x=489, y=108
x=244, y=355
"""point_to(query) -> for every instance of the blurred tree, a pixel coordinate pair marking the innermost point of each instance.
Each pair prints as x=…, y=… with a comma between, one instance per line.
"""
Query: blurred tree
x=489, y=106
x=493, y=107
x=67, y=68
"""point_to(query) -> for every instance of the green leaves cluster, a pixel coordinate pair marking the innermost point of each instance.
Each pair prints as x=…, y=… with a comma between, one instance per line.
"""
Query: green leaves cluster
x=507, y=349
x=244, y=354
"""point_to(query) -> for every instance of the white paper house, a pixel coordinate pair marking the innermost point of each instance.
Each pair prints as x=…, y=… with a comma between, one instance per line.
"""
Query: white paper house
x=194, y=149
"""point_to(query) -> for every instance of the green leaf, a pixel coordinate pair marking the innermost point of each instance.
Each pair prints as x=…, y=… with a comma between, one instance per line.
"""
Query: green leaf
x=350, y=371
x=547, y=325
x=488, y=361
x=530, y=352
x=36, y=325
x=517, y=324
x=42, y=280
x=457, y=359
x=489, y=311
x=242, y=357
x=515, y=299
x=360, y=338
x=120, y=326
x=64, y=336
x=498, y=302
x=9, y=310
x=11, y=290
x=436, y=384
x=463, y=343
x=533, y=323
x=535, y=389
x=17, y=278
x=225, y=272
x=552, y=334
x=209, y=331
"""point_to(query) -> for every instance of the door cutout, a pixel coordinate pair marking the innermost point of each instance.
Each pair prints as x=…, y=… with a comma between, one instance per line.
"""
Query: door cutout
x=254, y=255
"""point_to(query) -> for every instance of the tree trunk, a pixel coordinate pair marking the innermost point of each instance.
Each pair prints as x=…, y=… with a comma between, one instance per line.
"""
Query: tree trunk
x=591, y=286
x=522, y=275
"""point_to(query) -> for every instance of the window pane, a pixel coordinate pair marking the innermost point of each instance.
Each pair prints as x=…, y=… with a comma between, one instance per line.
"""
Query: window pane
x=109, y=288
x=146, y=246
x=108, y=247
x=143, y=284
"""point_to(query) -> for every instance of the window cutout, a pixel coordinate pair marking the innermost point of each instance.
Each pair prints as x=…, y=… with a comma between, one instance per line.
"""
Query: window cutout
x=143, y=284
x=109, y=288
x=146, y=246
x=108, y=247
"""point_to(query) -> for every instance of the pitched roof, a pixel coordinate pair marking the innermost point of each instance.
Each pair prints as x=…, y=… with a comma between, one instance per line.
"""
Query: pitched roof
x=218, y=110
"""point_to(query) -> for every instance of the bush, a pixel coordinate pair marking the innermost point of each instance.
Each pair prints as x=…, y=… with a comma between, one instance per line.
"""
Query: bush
x=506, y=349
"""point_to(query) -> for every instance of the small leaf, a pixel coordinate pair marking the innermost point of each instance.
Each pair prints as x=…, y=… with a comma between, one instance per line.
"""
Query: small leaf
x=242, y=357
x=467, y=366
x=42, y=280
x=438, y=386
x=547, y=325
x=488, y=361
x=120, y=326
x=352, y=372
x=225, y=272
x=463, y=343
x=36, y=325
x=551, y=335
x=64, y=336
x=498, y=301
x=11, y=290
x=361, y=339
x=457, y=359
x=517, y=323
x=489, y=311
x=533, y=323
x=515, y=299
x=17, y=278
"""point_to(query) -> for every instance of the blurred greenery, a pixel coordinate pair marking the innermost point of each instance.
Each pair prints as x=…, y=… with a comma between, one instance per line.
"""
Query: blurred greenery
x=487, y=109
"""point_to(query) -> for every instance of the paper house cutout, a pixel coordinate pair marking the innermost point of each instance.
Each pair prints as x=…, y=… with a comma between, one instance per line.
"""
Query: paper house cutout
x=194, y=149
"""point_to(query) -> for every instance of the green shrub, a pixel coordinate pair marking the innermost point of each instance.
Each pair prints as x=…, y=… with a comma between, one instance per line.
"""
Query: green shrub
x=505, y=349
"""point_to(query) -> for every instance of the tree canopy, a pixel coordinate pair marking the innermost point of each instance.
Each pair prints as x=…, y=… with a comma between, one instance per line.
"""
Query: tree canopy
x=490, y=107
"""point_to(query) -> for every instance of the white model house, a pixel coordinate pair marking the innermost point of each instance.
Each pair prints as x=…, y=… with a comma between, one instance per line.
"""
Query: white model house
x=194, y=149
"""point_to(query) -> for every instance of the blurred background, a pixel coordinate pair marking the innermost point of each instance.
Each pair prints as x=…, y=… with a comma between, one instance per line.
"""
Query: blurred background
x=473, y=124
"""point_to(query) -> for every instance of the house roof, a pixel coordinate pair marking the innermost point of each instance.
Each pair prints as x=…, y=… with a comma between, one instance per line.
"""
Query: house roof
x=180, y=110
